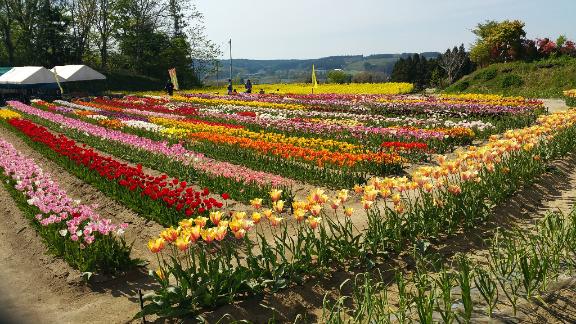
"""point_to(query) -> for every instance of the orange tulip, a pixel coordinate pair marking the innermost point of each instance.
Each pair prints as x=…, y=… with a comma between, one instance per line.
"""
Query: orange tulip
x=367, y=203
x=315, y=210
x=275, y=221
x=256, y=217
x=275, y=194
x=256, y=203
x=313, y=221
x=240, y=234
x=278, y=206
x=201, y=221
x=215, y=217
x=182, y=243
x=169, y=234
x=299, y=215
x=156, y=245
x=348, y=211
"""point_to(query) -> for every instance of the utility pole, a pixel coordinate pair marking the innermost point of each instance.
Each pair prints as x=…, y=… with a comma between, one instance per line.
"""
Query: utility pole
x=230, y=58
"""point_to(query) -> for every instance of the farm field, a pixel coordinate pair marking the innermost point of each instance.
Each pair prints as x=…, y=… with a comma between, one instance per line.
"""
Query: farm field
x=388, y=88
x=291, y=207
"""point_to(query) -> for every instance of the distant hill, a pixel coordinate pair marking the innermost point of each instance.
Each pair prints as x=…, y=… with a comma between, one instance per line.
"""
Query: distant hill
x=540, y=79
x=287, y=71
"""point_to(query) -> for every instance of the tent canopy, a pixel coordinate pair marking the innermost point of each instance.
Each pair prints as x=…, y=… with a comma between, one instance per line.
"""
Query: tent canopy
x=4, y=70
x=26, y=75
x=70, y=73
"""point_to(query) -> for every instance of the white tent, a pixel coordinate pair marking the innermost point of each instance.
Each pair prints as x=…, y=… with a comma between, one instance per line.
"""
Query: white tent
x=69, y=73
x=25, y=75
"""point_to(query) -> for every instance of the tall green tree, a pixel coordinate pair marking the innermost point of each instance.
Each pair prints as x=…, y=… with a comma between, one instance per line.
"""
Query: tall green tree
x=498, y=42
x=7, y=31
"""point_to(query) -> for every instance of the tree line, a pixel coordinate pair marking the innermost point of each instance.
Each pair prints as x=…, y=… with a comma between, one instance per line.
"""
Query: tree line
x=496, y=42
x=145, y=37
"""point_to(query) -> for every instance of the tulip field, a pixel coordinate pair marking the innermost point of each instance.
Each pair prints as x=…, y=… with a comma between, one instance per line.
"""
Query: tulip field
x=387, y=88
x=252, y=196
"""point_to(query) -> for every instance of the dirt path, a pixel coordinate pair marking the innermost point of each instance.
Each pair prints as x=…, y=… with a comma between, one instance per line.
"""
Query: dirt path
x=36, y=287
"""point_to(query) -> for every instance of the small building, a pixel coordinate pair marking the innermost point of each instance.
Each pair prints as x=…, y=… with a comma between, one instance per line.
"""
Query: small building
x=80, y=79
x=25, y=82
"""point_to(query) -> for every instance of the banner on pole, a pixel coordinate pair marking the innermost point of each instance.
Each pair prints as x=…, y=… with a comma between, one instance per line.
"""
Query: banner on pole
x=314, y=81
x=57, y=81
x=172, y=73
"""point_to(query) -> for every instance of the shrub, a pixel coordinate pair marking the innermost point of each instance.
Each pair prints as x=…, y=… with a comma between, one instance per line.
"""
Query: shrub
x=461, y=86
x=486, y=75
x=338, y=76
x=511, y=80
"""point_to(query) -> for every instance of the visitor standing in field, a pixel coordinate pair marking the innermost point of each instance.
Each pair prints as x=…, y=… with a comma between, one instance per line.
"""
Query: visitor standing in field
x=229, y=86
x=169, y=87
x=248, y=86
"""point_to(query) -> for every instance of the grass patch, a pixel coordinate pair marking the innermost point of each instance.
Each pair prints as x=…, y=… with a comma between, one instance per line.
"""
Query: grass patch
x=541, y=79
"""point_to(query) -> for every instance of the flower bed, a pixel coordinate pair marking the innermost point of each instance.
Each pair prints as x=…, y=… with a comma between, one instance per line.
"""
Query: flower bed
x=159, y=198
x=570, y=97
x=433, y=201
x=224, y=175
x=70, y=229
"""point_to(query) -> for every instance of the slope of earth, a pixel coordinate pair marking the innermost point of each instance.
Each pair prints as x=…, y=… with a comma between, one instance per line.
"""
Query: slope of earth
x=540, y=79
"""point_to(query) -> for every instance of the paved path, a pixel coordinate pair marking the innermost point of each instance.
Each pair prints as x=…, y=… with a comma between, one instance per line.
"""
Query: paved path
x=555, y=104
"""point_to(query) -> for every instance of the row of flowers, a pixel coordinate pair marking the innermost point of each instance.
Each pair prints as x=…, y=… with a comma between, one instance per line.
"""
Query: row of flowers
x=570, y=97
x=271, y=117
x=570, y=93
x=387, y=88
x=161, y=198
x=433, y=201
x=449, y=105
x=290, y=151
x=349, y=130
x=233, y=101
x=110, y=110
x=265, y=136
x=134, y=104
x=208, y=171
x=285, y=159
x=457, y=106
x=72, y=230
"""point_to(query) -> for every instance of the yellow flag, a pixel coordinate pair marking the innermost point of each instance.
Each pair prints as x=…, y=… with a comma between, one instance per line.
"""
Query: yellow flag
x=314, y=81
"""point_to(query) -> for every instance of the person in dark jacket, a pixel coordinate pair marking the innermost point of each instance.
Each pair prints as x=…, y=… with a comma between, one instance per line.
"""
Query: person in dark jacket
x=229, y=86
x=169, y=87
x=248, y=86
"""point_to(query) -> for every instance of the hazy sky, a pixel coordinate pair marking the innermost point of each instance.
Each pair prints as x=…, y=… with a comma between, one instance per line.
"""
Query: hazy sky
x=271, y=29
